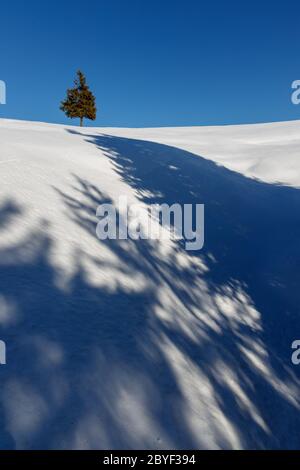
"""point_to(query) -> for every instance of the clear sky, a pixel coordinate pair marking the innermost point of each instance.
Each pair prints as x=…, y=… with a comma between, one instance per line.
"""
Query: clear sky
x=152, y=62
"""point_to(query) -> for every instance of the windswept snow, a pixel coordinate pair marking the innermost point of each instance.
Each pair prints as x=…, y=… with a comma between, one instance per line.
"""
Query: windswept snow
x=140, y=343
x=269, y=152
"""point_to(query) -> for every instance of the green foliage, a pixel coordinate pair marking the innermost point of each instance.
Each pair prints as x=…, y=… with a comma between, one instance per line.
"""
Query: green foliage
x=80, y=101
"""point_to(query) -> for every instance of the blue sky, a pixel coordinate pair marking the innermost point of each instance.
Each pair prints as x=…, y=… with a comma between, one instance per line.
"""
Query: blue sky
x=152, y=62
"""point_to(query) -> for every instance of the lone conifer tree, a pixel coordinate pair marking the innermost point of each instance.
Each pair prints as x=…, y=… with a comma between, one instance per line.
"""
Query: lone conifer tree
x=80, y=101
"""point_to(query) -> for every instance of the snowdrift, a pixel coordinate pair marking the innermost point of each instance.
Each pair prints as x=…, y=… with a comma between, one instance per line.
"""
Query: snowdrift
x=140, y=343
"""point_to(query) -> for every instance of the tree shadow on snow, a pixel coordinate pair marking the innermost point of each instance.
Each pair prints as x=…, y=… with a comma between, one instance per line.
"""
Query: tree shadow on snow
x=195, y=355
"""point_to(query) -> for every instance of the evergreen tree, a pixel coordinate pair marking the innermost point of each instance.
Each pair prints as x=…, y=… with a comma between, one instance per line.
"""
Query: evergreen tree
x=80, y=101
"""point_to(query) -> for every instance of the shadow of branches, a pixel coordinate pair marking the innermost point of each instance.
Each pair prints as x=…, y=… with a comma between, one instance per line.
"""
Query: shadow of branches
x=148, y=347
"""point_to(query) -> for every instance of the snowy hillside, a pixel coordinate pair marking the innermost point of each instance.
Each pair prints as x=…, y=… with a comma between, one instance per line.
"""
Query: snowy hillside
x=140, y=343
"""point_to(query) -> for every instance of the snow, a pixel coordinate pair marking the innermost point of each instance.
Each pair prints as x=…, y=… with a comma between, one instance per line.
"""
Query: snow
x=140, y=343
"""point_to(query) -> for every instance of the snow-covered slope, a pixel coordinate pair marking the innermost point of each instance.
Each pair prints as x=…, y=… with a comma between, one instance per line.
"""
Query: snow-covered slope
x=140, y=343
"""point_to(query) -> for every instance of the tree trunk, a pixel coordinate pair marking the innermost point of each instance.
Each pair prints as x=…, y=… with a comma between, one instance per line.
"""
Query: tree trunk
x=81, y=121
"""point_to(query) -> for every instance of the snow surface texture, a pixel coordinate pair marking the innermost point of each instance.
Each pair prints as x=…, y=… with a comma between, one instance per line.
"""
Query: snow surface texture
x=141, y=344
